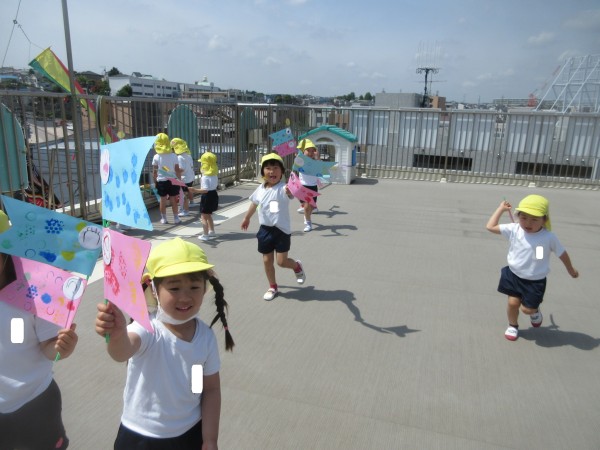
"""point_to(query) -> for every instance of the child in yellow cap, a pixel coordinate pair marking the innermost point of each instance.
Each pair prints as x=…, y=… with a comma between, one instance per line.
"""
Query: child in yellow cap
x=160, y=408
x=30, y=399
x=166, y=160
x=309, y=149
x=209, y=199
x=272, y=199
x=531, y=242
x=188, y=175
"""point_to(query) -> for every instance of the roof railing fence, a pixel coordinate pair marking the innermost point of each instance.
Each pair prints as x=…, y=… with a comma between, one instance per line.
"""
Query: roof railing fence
x=40, y=164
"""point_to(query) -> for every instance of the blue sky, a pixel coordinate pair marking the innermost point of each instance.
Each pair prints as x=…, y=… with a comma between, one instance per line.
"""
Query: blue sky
x=483, y=49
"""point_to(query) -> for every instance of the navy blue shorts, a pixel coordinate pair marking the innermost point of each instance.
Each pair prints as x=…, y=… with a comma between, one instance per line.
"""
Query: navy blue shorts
x=531, y=292
x=165, y=188
x=209, y=202
x=187, y=185
x=130, y=440
x=272, y=239
x=37, y=424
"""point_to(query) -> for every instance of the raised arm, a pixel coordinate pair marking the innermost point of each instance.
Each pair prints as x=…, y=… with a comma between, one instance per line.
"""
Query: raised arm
x=111, y=321
x=64, y=343
x=493, y=222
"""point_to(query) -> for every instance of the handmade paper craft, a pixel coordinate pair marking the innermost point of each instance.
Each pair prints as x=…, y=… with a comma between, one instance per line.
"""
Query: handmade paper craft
x=287, y=148
x=311, y=166
x=301, y=192
x=124, y=261
x=121, y=165
x=165, y=172
x=50, y=293
x=281, y=136
x=51, y=237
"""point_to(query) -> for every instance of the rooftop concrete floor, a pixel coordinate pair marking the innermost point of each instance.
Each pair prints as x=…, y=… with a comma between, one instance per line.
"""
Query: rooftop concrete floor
x=395, y=341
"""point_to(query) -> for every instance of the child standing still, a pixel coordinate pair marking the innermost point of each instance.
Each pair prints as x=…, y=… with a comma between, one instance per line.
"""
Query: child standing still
x=209, y=200
x=272, y=199
x=186, y=167
x=160, y=410
x=166, y=160
x=531, y=242
x=30, y=399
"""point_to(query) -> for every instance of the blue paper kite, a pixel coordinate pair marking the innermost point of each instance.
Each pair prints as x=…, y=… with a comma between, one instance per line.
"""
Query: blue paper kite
x=121, y=165
x=309, y=166
x=281, y=136
x=51, y=237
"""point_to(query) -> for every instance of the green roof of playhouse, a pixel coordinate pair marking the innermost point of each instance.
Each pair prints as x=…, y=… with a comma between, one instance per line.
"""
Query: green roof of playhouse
x=333, y=129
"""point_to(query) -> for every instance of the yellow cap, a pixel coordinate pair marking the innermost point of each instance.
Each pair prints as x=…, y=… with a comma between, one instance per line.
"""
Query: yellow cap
x=179, y=146
x=208, y=162
x=271, y=157
x=4, y=224
x=176, y=257
x=305, y=143
x=536, y=205
x=162, y=143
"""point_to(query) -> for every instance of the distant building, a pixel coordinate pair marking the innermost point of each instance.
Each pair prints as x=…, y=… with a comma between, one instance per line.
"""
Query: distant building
x=144, y=86
x=405, y=100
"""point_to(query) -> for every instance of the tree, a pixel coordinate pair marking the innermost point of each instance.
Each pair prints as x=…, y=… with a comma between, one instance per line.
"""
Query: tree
x=114, y=71
x=125, y=91
x=368, y=96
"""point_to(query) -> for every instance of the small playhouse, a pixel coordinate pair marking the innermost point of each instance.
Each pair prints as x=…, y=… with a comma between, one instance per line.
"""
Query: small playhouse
x=339, y=145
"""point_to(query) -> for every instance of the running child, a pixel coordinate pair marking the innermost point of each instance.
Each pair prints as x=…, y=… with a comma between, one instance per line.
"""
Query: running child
x=209, y=199
x=166, y=160
x=531, y=242
x=272, y=199
x=186, y=172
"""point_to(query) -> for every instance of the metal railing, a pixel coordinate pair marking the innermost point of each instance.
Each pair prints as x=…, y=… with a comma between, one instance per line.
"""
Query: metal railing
x=42, y=161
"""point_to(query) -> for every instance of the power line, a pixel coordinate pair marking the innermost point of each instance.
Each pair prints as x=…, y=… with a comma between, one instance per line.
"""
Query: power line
x=17, y=24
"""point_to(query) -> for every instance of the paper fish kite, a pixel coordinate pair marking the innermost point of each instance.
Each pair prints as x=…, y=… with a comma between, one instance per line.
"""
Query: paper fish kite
x=281, y=136
x=50, y=293
x=287, y=148
x=121, y=165
x=311, y=166
x=124, y=261
x=301, y=192
x=51, y=237
x=171, y=177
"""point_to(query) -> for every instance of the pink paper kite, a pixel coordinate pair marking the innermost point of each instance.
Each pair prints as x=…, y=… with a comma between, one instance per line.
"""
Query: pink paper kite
x=300, y=192
x=124, y=261
x=48, y=292
x=286, y=148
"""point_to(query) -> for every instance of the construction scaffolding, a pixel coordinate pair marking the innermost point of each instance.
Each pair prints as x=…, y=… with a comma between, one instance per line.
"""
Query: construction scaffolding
x=576, y=88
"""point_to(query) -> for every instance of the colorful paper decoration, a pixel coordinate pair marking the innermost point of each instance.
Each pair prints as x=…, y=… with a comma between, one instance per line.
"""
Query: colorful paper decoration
x=50, y=237
x=301, y=192
x=48, y=292
x=281, y=136
x=287, y=148
x=121, y=165
x=311, y=166
x=124, y=261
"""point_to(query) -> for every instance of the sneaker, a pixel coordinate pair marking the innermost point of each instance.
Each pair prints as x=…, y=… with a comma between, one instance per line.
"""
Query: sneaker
x=177, y=221
x=300, y=276
x=204, y=237
x=183, y=213
x=511, y=333
x=163, y=220
x=308, y=227
x=300, y=210
x=270, y=294
x=536, y=319
x=212, y=234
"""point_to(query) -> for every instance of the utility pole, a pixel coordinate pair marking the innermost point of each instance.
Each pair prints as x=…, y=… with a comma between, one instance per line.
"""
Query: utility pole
x=426, y=70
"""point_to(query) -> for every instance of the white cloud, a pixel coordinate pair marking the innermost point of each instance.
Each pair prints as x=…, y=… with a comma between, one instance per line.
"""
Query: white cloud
x=585, y=20
x=216, y=42
x=543, y=38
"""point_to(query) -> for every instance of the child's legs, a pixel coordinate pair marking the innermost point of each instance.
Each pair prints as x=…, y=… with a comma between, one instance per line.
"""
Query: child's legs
x=206, y=220
x=163, y=205
x=284, y=261
x=512, y=310
x=174, y=204
x=269, y=263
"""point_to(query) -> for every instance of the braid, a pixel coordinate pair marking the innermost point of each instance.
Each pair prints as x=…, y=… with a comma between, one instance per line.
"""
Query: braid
x=221, y=305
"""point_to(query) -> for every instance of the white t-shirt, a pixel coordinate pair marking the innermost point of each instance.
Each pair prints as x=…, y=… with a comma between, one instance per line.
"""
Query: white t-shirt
x=273, y=206
x=308, y=180
x=187, y=165
x=209, y=182
x=25, y=372
x=165, y=161
x=529, y=253
x=158, y=399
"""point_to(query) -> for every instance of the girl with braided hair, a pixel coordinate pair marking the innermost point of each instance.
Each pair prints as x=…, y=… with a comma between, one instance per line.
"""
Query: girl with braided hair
x=161, y=411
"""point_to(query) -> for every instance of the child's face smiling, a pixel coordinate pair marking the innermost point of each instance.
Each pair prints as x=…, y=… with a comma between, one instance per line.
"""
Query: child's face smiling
x=531, y=224
x=180, y=296
x=272, y=173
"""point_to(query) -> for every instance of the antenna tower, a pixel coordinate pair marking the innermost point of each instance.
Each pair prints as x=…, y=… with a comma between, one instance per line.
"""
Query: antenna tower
x=427, y=64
